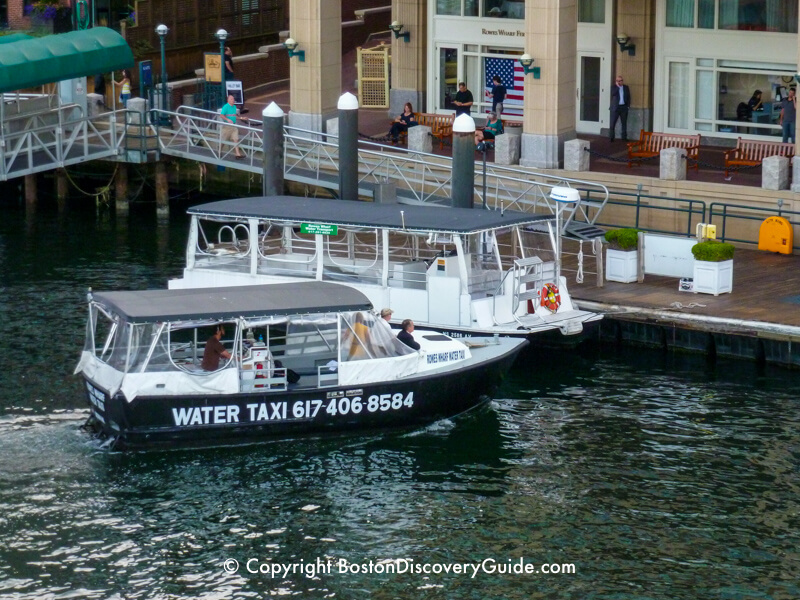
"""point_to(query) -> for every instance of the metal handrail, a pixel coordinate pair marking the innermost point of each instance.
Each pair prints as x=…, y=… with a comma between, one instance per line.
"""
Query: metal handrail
x=695, y=211
x=725, y=211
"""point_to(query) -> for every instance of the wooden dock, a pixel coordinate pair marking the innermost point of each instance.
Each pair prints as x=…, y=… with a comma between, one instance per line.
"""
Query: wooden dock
x=759, y=319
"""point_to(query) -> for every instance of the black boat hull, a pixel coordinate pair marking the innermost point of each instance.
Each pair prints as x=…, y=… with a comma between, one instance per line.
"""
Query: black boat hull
x=208, y=420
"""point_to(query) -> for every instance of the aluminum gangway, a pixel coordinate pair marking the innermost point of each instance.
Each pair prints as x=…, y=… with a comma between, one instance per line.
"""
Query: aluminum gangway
x=40, y=134
x=312, y=158
x=49, y=137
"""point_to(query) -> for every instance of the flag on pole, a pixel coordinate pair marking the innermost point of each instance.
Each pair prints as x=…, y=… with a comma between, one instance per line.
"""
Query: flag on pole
x=512, y=75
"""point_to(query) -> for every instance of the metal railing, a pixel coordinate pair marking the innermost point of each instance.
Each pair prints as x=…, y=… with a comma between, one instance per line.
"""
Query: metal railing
x=748, y=214
x=195, y=133
x=641, y=208
x=427, y=178
x=45, y=140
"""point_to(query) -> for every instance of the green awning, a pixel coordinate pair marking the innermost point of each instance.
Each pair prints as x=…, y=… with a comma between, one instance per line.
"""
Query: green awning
x=29, y=63
x=14, y=37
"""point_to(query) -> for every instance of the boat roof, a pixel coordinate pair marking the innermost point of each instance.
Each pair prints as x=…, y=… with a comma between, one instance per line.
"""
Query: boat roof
x=367, y=214
x=248, y=301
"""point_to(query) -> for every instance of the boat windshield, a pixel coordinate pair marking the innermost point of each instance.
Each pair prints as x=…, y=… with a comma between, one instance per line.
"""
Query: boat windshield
x=366, y=336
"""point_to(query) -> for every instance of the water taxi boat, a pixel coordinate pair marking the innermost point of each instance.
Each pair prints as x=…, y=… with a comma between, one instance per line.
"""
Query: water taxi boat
x=301, y=357
x=456, y=270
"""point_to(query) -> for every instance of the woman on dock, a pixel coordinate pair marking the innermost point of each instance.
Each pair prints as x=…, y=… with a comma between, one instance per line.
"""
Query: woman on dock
x=125, y=94
x=403, y=122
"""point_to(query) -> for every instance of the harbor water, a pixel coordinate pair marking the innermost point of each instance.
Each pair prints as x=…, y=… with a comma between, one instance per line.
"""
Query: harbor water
x=627, y=474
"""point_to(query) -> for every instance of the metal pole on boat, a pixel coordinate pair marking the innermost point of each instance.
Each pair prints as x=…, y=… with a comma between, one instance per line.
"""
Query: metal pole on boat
x=348, y=146
x=562, y=196
x=272, y=130
x=463, y=180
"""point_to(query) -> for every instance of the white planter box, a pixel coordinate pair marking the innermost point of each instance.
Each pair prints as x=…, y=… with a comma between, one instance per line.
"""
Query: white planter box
x=622, y=265
x=713, y=277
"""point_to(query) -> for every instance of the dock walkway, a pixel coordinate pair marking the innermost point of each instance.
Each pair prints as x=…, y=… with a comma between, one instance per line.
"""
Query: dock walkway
x=763, y=310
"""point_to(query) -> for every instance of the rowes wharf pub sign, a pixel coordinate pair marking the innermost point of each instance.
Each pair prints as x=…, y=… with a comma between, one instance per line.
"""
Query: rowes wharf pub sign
x=503, y=32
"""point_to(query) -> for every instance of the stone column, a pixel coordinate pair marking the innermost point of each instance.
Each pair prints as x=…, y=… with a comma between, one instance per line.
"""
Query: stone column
x=315, y=84
x=551, y=28
x=576, y=157
x=409, y=59
x=775, y=173
x=672, y=164
x=796, y=174
x=636, y=19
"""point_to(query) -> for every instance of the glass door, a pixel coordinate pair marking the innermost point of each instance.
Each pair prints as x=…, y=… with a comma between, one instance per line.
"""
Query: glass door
x=592, y=104
x=446, y=77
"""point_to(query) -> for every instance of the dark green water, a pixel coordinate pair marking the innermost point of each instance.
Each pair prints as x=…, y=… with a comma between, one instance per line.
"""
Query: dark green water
x=657, y=477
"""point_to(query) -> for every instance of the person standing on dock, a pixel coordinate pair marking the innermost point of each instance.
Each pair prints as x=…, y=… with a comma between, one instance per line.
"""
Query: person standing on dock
x=620, y=101
x=230, y=132
x=463, y=100
x=788, y=115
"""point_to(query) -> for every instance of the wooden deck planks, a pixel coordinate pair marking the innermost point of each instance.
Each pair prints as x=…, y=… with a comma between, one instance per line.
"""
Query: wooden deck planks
x=766, y=287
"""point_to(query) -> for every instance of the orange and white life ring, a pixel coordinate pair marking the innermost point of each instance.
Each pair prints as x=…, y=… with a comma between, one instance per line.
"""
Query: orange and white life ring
x=551, y=299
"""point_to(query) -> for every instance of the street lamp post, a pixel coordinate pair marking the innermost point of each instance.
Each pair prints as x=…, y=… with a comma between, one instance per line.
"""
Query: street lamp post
x=222, y=35
x=162, y=31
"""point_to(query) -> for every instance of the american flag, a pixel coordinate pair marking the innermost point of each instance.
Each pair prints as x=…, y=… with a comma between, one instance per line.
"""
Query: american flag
x=512, y=76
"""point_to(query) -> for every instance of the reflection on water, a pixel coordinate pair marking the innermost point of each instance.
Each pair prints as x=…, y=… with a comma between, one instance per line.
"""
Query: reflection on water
x=656, y=476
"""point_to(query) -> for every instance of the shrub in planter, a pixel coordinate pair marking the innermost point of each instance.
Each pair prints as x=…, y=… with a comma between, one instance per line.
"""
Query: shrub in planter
x=622, y=258
x=713, y=251
x=623, y=239
x=713, y=267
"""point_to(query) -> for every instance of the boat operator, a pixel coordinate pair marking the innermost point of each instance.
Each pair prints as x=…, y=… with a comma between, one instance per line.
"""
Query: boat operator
x=214, y=350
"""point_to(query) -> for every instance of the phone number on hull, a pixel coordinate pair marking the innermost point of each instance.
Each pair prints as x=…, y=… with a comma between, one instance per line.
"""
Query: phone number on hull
x=287, y=411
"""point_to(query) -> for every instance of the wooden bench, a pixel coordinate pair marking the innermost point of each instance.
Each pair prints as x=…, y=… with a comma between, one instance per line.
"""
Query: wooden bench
x=750, y=153
x=651, y=144
x=441, y=126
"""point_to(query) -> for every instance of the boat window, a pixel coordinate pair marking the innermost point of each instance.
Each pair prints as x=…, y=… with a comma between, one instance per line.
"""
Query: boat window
x=366, y=336
x=222, y=238
x=284, y=242
x=141, y=341
x=353, y=253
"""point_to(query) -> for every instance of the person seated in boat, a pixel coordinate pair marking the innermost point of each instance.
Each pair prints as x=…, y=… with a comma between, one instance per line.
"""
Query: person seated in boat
x=386, y=316
x=405, y=335
x=358, y=335
x=214, y=350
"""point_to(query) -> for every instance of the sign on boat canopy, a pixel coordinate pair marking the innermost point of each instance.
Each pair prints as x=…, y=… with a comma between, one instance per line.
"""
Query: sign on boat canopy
x=319, y=229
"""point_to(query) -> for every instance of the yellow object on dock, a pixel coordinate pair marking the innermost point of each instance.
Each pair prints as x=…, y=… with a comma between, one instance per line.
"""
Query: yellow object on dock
x=776, y=235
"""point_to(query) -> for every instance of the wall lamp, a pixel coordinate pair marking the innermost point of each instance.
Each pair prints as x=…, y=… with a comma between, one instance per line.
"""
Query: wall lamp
x=624, y=46
x=526, y=61
x=290, y=45
x=397, y=28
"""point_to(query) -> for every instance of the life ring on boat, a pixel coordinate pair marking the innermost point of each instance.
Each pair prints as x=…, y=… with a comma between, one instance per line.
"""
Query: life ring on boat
x=551, y=299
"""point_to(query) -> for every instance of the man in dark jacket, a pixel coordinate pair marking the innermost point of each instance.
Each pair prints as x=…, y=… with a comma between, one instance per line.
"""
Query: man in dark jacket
x=620, y=101
x=405, y=335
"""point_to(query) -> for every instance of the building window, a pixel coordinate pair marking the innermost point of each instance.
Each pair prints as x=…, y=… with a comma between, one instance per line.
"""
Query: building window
x=448, y=7
x=592, y=11
x=680, y=13
x=497, y=9
x=778, y=16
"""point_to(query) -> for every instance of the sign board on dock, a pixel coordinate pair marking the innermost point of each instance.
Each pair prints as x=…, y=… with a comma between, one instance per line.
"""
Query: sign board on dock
x=319, y=229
